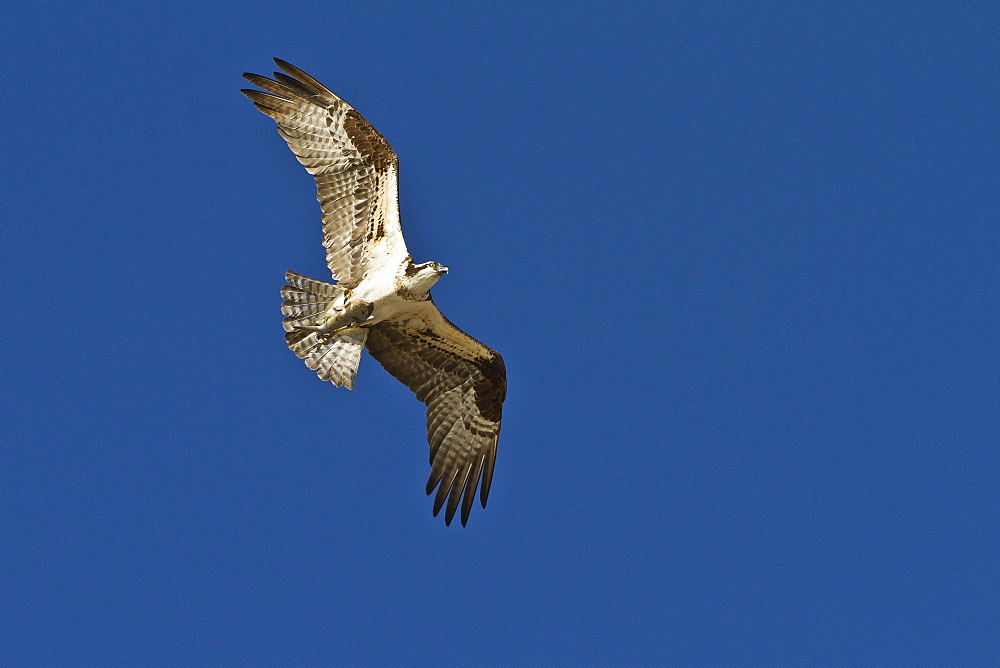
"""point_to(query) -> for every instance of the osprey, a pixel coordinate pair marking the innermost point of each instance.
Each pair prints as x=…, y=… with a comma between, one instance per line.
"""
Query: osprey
x=381, y=299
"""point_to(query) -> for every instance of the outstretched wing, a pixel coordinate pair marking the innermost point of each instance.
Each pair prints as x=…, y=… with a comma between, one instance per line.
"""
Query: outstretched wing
x=354, y=166
x=463, y=383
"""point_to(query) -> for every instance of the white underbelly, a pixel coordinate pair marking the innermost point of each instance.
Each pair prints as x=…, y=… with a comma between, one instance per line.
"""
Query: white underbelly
x=387, y=304
x=393, y=307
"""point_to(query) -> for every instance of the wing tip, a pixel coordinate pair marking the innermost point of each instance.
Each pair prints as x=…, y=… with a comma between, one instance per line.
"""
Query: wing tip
x=460, y=495
x=305, y=80
x=283, y=64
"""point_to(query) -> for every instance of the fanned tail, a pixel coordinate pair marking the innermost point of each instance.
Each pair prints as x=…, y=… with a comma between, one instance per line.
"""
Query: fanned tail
x=334, y=356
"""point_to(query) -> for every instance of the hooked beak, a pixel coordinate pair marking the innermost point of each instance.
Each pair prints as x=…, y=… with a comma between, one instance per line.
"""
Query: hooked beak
x=443, y=270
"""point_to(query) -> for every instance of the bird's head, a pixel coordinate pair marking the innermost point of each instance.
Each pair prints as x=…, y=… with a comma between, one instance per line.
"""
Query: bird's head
x=418, y=278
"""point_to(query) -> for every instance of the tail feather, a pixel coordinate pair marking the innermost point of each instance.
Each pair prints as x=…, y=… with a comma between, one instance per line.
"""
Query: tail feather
x=307, y=301
x=334, y=356
x=302, y=314
x=312, y=286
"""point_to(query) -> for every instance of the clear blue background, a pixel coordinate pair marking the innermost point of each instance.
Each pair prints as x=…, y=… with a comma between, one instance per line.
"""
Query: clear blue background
x=740, y=260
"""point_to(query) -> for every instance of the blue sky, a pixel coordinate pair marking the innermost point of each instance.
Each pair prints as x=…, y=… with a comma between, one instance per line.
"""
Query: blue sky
x=740, y=259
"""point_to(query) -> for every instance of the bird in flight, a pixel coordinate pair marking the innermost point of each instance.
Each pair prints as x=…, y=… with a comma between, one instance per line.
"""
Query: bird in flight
x=381, y=299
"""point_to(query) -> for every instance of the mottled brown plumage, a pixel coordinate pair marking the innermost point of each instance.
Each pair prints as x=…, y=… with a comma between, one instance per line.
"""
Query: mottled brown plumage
x=381, y=300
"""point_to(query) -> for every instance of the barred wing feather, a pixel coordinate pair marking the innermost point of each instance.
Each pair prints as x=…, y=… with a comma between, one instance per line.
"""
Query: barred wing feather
x=463, y=383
